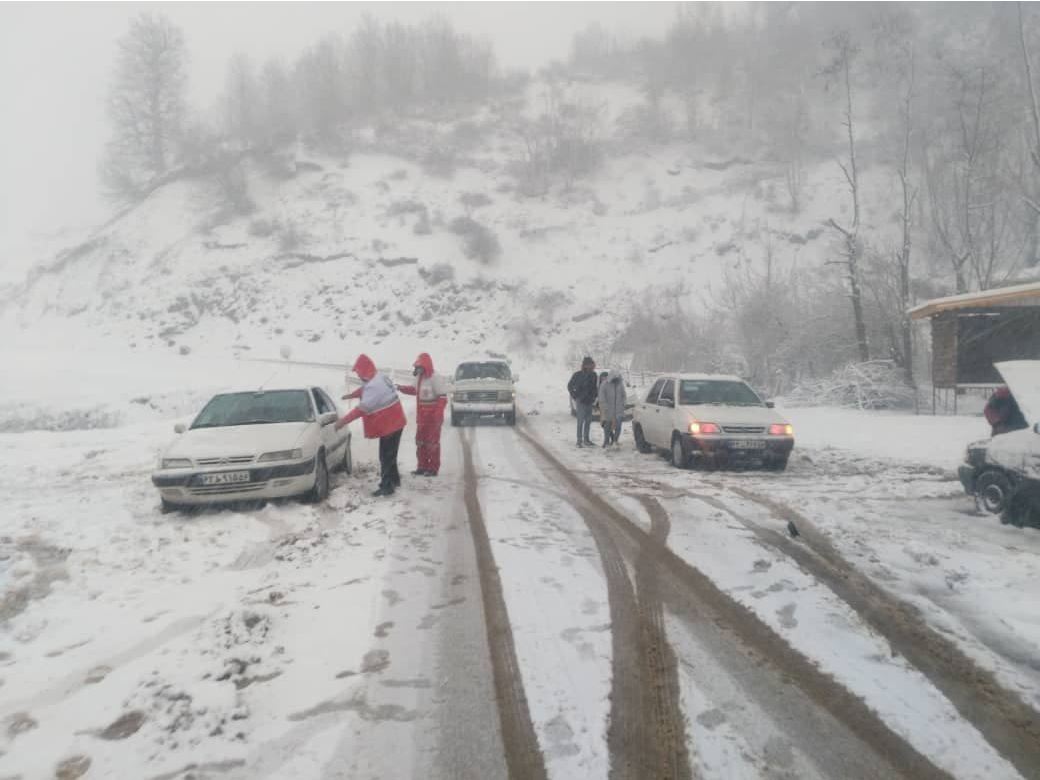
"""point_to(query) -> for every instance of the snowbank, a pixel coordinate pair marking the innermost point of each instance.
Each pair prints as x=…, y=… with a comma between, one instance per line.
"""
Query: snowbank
x=923, y=439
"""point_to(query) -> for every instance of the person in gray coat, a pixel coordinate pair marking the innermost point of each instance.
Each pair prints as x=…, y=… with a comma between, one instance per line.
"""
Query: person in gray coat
x=612, y=406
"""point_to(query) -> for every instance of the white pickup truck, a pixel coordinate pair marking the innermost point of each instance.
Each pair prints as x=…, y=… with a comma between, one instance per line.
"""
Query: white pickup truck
x=484, y=388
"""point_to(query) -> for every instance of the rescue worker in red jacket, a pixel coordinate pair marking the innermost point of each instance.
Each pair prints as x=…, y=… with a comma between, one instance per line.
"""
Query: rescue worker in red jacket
x=431, y=393
x=383, y=417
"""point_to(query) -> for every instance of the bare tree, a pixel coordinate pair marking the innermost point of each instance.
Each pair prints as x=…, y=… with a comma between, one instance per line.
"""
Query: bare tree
x=242, y=102
x=278, y=105
x=322, y=87
x=972, y=213
x=845, y=52
x=1031, y=88
x=907, y=217
x=146, y=103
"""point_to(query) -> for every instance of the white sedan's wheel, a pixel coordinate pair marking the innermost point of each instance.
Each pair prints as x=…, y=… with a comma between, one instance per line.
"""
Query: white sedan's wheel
x=348, y=459
x=320, y=491
x=679, y=457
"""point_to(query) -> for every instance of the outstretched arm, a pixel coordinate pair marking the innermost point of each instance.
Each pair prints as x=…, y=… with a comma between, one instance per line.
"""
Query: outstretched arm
x=350, y=416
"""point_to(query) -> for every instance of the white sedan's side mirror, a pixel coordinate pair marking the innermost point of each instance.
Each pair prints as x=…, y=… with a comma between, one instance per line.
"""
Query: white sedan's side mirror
x=179, y=428
x=327, y=419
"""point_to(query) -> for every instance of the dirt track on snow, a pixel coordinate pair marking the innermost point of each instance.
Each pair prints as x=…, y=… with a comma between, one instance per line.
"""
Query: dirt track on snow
x=844, y=736
x=524, y=759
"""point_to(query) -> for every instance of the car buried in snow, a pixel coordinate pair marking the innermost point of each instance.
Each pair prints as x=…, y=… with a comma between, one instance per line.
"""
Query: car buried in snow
x=711, y=420
x=483, y=388
x=1003, y=473
x=255, y=445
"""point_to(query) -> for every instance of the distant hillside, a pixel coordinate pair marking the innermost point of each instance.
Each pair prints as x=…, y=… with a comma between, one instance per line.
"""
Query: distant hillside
x=432, y=232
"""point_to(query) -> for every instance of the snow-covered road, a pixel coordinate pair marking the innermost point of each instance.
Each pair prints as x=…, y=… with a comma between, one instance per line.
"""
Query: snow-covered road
x=535, y=611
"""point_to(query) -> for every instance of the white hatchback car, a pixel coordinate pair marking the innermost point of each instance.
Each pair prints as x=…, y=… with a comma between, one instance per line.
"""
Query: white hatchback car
x=711, y=420
x=255, y=445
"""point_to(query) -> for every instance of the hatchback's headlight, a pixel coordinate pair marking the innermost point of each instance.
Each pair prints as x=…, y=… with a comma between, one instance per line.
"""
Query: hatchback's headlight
x=176, y=463
x=281, y=455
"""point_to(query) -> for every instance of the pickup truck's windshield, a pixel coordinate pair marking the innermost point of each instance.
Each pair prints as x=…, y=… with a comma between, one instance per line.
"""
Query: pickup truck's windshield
x=483, y=371
x=276, y=406
x=693, y=392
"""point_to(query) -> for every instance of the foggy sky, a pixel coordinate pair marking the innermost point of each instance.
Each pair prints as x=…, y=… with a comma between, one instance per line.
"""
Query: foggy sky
x=56, y=61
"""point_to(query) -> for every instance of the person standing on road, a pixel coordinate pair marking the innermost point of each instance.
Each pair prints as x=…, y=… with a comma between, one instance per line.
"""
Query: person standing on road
x=431, y=397
x=604, y=423
x=612, y=406
x=383, y=417
x=583, y=389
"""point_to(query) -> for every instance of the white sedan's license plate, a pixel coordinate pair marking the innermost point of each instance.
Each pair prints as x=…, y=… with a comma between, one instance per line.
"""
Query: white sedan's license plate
x=225, y=478
x=747, y=444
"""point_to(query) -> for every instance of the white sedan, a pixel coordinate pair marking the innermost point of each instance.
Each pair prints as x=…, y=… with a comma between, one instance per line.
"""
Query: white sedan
x=710, y=419
x=255, y=445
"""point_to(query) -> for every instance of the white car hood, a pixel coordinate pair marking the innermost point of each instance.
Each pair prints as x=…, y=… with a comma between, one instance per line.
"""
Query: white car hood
x=236, y=440
x=1018, y=451
x=733, y=415
x=1023, y=379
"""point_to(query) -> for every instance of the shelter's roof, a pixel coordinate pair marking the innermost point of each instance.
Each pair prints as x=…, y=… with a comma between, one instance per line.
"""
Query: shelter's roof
x=996, y=296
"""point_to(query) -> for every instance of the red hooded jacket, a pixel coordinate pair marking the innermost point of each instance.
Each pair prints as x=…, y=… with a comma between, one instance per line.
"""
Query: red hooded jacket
x=380, y=409
x=432, y=395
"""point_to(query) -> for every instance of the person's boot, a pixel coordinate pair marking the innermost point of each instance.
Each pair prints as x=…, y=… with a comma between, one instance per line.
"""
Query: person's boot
x=384, y=490
x=420, y=473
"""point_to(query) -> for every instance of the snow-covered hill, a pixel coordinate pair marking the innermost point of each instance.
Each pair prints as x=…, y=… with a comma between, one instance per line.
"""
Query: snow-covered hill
x=364, y=251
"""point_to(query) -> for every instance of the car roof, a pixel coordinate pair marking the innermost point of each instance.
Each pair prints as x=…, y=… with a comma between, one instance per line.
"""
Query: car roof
x=273, y=388
x=705, y=377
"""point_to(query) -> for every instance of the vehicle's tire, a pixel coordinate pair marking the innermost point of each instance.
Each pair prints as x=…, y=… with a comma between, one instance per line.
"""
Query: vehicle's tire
x=642, y=445
x=680, y=455
x=778, y=464
x=993, y=491
x=320, y=491
x=510, y=417
x=347, y=464
x=167, y=508
x=1021, y=510
x=456, y=420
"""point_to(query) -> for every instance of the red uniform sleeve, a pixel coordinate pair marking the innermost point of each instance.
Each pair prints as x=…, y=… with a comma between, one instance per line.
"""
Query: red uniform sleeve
x=352, y=415
x=407, y=389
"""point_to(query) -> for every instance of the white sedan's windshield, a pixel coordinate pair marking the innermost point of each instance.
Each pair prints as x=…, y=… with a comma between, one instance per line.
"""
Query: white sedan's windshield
x=693, y=392
x=276, y=406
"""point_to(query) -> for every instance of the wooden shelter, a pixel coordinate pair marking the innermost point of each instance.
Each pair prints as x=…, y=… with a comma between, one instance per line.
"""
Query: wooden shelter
x=973, y=331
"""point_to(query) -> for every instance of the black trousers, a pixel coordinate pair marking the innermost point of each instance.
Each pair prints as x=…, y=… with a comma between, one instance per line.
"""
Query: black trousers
x=388, y=446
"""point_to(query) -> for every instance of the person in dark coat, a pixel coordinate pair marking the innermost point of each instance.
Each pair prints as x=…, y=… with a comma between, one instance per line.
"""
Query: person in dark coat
x=584, y=388
x=1003, y=414
x=383, y=417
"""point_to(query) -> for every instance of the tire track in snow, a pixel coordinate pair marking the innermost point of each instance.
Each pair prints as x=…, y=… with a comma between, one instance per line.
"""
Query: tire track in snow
x=646, y=735
x=696, y=595
x=663, y=666
x=523, y=755
x=1010, y=725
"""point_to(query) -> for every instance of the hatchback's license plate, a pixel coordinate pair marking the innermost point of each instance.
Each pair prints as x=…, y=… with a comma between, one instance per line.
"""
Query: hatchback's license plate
x=747, y=444
x=225, y=478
